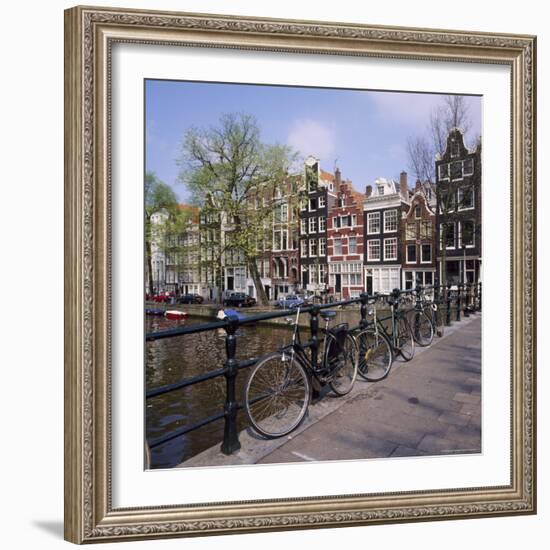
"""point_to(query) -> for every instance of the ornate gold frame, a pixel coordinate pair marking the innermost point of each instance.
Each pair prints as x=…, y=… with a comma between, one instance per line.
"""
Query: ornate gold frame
x=89, y=34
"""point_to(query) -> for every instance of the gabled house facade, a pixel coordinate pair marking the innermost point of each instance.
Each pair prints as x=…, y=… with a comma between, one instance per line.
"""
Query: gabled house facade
x=458, y=212
x=383, y=207
x=418, y=238
x=316, y=199
x=345, y=237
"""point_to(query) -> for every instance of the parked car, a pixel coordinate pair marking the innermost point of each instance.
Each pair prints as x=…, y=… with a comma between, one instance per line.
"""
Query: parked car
x=290, y=301
x=191, y=299
x=239, y=299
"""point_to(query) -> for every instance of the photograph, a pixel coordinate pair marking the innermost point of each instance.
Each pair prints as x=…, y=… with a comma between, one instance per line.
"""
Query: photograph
x=312, y=274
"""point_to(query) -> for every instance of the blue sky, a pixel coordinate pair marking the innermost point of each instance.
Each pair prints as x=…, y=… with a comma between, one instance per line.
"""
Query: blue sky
x=362, y=132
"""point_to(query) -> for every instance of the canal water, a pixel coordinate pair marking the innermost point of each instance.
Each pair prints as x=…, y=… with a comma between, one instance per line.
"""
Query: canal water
x=172, y=359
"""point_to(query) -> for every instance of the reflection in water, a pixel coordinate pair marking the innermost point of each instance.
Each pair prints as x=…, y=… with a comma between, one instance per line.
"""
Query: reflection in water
x=173, y=359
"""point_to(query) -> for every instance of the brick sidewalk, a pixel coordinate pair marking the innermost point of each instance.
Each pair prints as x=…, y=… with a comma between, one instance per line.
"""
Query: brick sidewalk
x=429, y=406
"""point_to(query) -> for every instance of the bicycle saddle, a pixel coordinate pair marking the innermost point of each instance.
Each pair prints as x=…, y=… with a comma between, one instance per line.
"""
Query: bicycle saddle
x=328, y=314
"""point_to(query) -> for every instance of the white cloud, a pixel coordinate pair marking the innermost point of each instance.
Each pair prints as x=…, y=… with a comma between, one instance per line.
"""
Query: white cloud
x=310, y=137
x=406, y=108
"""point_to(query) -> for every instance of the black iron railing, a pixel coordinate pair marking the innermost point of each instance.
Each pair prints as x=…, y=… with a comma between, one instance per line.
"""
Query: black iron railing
x=465, y=297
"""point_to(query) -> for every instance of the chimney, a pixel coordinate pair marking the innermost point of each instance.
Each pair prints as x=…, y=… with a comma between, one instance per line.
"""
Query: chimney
x=338, y=178
x=403, y=187
x=368, y=191
x=418, y=185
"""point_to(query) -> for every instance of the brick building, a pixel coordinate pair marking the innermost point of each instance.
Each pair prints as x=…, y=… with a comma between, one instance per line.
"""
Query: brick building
x=418, y=242
x=458, y=212
x=345, y=241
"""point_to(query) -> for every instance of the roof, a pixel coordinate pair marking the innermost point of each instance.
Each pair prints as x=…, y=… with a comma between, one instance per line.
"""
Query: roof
x=327, y=175
x=193, y=211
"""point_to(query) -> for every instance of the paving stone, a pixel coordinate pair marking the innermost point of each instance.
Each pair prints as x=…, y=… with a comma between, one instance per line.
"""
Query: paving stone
x=454, y=418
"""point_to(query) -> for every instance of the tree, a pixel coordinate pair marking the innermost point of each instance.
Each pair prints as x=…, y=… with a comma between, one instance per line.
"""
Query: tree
x=159, y=197
x=231, y=170
x=423, y=151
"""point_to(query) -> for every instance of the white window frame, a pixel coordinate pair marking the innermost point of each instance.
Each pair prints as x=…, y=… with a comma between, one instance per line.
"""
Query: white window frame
x=334, y=253
x=322, y=247
x=454, y=240
x=303, y=248
x=448, y=171
x=422, y=261
x=303, y=226
x=369, y=257
x=459, y=199
x=416, y=250
x=321, y=202
x=407, y=234
x=373, y=216
x=309, y=204
x=313, y=242
x=424, y=234
x=416, y=208
x=353, y=220
x=349, y=245
x=473, y=245
x=390, y=258
x=323, y=224
x=473, y=167
x=312, y=225
x=386, y=215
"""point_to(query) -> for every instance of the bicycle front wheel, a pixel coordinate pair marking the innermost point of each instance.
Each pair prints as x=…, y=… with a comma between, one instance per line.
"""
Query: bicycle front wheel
x=343, y=364
x=404, y=339
x=375, y=355
x=277, y=395
x=422, y=327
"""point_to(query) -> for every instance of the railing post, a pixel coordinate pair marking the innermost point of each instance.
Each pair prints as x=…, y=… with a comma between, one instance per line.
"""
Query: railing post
x=231, y=442
x=479, y=300
x=314, y=329
x=364, y=308
x=458, y=300
x=448, y=300
x=467, y=292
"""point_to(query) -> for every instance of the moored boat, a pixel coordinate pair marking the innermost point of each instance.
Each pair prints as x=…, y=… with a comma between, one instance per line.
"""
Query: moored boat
x=154, y=311
x=176, y=314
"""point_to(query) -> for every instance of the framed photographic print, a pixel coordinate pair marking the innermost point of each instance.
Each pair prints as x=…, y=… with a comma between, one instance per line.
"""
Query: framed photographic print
x=300, y=282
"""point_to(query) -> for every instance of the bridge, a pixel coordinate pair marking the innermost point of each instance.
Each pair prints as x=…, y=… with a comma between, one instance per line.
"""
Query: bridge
x=428, y=406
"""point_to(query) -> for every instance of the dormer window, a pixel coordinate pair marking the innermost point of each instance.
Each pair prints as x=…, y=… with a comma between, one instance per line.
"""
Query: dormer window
x=454, y=148
x=380, y=189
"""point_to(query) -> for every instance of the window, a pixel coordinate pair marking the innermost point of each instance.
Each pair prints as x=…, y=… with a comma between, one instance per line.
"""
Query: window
x=380, y=189
x=303, y=248
x=313, y=247
x=467, y=233
x=456, y=170
x=448, y=202
x=455, y=151
x=418, y=212
x=312, y=205
x=448, y=229
x=410, y=231
x=337, y=247
x=373, y=223
x=313, y=225
x=390, y=249
x=426, y=230
x=411, y=253
x=322, y=246
x=428, y=278
x=443, y=171
x=465, y=198
x=390, y=221
x=341, y=201
x=322, y=273
x=468, y=167
x=373, y=249
x=426, y=253
x=336, y=222
x=322, y=202
x=353, y=222
x=352, y=245
x=322, y=224
x=303, y=227
x=303, y=203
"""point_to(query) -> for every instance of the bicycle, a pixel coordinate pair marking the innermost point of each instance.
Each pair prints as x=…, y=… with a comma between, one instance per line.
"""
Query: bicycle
x=377, y=347
x=278, y=388
x=421, y=319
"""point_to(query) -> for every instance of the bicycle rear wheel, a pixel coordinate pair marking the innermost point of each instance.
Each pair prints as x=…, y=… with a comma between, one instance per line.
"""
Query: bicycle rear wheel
x=277, y=395
x=405, y=339
x=342, y=364
x=375, y=355
x=422, y=327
